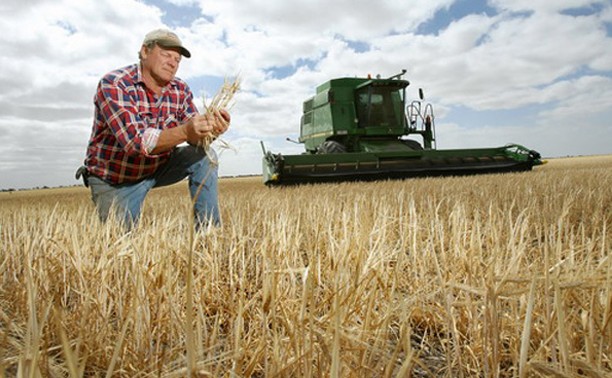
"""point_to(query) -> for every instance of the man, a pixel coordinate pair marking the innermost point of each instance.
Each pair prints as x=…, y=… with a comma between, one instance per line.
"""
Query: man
x=143, y=112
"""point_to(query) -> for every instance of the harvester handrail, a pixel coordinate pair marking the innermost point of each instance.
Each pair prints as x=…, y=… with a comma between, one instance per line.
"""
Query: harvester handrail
x=414, y=111
x=430, y=113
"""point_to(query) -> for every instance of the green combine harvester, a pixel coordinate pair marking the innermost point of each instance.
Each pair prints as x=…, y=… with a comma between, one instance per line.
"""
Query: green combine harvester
x=359, y=128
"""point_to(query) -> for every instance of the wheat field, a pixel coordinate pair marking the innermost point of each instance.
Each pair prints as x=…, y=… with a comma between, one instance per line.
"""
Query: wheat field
x=505, y=275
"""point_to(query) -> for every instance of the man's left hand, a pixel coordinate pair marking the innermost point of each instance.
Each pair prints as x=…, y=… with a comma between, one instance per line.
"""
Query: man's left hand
x=222, y=122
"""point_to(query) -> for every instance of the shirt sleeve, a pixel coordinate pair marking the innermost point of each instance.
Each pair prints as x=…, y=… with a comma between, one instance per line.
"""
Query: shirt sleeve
x=149, y=139
x=188, y=107
x=119, y=109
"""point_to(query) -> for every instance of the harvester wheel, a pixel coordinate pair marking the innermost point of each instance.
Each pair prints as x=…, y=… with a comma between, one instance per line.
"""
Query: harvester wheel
x=331, y=147
x=413, y=144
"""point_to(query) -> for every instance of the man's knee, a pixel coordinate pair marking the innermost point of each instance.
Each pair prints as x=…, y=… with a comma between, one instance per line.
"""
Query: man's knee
x=124, y=204
x=203, y=160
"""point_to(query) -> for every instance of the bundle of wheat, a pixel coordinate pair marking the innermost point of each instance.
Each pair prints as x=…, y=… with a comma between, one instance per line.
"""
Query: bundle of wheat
x=223, y=100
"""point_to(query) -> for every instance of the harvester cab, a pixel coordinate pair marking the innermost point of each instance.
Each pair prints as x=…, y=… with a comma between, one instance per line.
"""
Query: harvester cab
x=363, y=129
x=362, y=115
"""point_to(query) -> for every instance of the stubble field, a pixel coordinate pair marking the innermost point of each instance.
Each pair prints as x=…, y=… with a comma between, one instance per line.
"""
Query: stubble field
x=498, y=275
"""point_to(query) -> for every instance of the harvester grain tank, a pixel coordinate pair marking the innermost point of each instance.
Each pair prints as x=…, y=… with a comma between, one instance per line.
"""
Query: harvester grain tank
x=364, y=129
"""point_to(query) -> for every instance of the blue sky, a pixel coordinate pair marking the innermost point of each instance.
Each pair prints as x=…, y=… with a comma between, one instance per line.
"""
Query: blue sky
x=534, y=72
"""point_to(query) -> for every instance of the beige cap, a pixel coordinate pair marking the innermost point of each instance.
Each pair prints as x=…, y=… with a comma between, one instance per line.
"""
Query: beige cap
x=166, y=38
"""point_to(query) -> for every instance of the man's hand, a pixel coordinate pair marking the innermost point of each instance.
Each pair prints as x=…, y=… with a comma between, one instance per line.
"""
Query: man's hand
x=196, y=128
x=222, y=122
x=205, y=125
x=193, y=131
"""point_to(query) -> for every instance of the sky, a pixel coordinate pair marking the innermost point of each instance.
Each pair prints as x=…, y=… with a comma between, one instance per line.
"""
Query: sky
x=533, y=72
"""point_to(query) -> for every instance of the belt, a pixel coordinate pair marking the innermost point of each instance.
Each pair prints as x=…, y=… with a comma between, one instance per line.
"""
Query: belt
x=84, y=173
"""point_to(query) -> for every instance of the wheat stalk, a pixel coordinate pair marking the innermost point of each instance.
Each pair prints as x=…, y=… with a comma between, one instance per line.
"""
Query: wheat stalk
x=222, y=100
x=400, y=278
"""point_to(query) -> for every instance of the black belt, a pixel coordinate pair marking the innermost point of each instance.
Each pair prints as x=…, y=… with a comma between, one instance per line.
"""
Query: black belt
x=83, y=172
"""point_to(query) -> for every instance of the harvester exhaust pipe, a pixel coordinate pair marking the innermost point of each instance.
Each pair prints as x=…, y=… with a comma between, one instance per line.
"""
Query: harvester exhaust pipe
x=399, y=75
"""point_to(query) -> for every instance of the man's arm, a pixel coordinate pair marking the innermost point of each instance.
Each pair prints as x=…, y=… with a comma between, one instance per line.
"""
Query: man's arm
x=192, y=131
x=170, y=138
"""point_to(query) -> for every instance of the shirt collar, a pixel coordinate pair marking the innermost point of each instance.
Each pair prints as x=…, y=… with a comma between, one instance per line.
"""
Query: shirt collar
x=139, y=78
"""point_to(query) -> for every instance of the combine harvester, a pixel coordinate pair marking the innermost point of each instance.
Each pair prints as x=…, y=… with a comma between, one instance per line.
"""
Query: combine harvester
x=358, y=128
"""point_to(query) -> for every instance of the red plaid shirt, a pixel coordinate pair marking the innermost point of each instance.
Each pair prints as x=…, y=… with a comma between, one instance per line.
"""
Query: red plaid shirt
x=124, y=109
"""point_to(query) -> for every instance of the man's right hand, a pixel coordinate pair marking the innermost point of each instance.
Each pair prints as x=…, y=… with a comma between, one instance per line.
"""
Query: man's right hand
x=198, y=127
x=193, y=132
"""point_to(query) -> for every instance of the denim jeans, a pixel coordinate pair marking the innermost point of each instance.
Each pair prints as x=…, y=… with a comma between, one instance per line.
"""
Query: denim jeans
x=127, y=199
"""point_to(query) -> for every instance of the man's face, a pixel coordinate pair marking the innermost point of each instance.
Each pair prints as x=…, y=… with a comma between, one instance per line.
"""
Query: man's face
x=161, y=63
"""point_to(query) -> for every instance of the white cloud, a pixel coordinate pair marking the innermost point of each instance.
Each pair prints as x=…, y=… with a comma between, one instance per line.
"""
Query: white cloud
x=528, y=55
x=182, y=3
x=353, y=19
x=546, y=6
x=585, y=97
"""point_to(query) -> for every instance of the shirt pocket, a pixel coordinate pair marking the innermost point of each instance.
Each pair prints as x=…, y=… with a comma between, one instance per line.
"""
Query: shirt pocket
x=147, y=119
x=169, y=122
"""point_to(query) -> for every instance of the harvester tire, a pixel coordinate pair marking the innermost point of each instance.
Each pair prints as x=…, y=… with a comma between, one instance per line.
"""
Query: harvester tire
x=331, y=147
x=412, y=144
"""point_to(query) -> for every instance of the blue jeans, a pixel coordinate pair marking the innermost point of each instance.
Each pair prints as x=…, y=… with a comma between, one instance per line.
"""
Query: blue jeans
x=126, y=199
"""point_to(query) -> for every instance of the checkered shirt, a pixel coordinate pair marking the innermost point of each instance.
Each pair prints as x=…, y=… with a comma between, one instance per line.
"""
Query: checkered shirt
x=128, y=120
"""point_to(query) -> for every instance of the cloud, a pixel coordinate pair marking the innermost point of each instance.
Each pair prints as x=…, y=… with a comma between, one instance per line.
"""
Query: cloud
x=353, y=19
x=530, y=71
x=544, y=6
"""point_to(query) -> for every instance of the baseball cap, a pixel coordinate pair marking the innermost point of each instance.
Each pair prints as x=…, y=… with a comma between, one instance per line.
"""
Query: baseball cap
x=166, y=38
